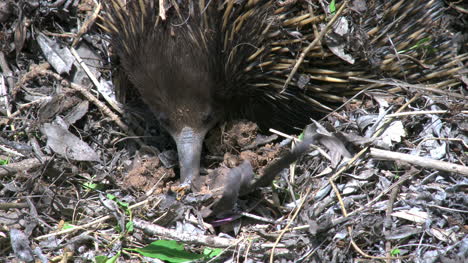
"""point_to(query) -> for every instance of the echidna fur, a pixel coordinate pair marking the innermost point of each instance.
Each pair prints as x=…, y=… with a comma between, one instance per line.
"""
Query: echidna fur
x=243, y=52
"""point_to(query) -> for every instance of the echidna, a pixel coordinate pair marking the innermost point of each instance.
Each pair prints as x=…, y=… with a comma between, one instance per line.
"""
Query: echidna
x=195, y=62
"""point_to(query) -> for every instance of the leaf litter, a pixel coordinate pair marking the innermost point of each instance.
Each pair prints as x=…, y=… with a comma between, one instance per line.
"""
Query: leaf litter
x=62, y=154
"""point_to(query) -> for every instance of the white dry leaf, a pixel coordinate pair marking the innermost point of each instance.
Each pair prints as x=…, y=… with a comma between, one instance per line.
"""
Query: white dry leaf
x=340, y=235
x=380, y=206
x=340, y=28
x=340, y=52
x=93, y=62
x=66, y=144
x=59, y=56
x=382, y=101
x=323, y=192
x=108, y=89
x=443, y=234
x=394, y=133
x=403, y=232
x=412, y=215
x=353, y=186
x=438, y=151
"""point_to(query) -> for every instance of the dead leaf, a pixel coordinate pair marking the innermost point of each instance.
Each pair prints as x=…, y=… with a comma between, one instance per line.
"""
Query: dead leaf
x=412, y=215
x=68, y=145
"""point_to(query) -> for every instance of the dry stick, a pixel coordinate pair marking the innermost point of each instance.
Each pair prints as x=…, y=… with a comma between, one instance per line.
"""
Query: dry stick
x=36, y=70
x=7, y=71
x=158, y=230
x=282, y=134
x=96, y=83
x=10, y=169
x=384, y=192
x=85, y=92
x=7, y=206
x=420, y=161
x=210, y=241
x=248, y=249
x=87, y=24
x=184, y=237
x=11, y=151
x=458, y=8
x=296, y=213
x=388, y=212
x=296, y=140
x=423, y=112
x=448, y=209
x=388, y=218
x=311, y=45
x=26, y=106
x=11, y=84
x=344, y=168
x=83, y=227
x=162, y=11
x=101, y=106
x=415, y=86
x=42, y=69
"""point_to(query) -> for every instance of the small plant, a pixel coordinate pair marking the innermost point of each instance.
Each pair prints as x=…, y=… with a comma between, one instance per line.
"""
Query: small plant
x=4, y=162
x=395, y=252
x=419, y=45
x=332, y=7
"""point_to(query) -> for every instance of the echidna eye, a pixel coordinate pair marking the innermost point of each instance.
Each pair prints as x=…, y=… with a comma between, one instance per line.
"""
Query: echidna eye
x=207, y=117
x=163, y=119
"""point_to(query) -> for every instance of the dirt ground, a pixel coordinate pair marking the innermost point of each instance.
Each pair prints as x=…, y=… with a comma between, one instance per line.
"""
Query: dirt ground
x=84, y=178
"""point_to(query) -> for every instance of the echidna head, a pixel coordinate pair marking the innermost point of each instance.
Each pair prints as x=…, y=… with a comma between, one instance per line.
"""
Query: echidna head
x=174, y=62
x=177, y=80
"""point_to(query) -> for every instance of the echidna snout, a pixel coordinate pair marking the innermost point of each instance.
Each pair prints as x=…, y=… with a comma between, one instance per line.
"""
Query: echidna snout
x=189, y=137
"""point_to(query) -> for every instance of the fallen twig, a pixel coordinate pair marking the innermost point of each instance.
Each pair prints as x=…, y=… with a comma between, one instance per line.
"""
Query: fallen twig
x=13, y=168
x=420, y=161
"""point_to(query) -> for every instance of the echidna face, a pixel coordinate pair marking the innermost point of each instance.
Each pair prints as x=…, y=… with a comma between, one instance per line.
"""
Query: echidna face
x=179, y=87
x=174, y=63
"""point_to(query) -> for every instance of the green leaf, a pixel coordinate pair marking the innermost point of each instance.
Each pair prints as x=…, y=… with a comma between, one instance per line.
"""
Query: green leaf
x=104, y=259
x=332, y=7
x=67, y=226
x=113, y=259
x=93, y=186
x=212, y=252
x=100, y=259
x=395, y=252
x=301, y=136
x=419, y=44
x=120, y=203
x=4, y=162
x=129, y=226
x=167, y=250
